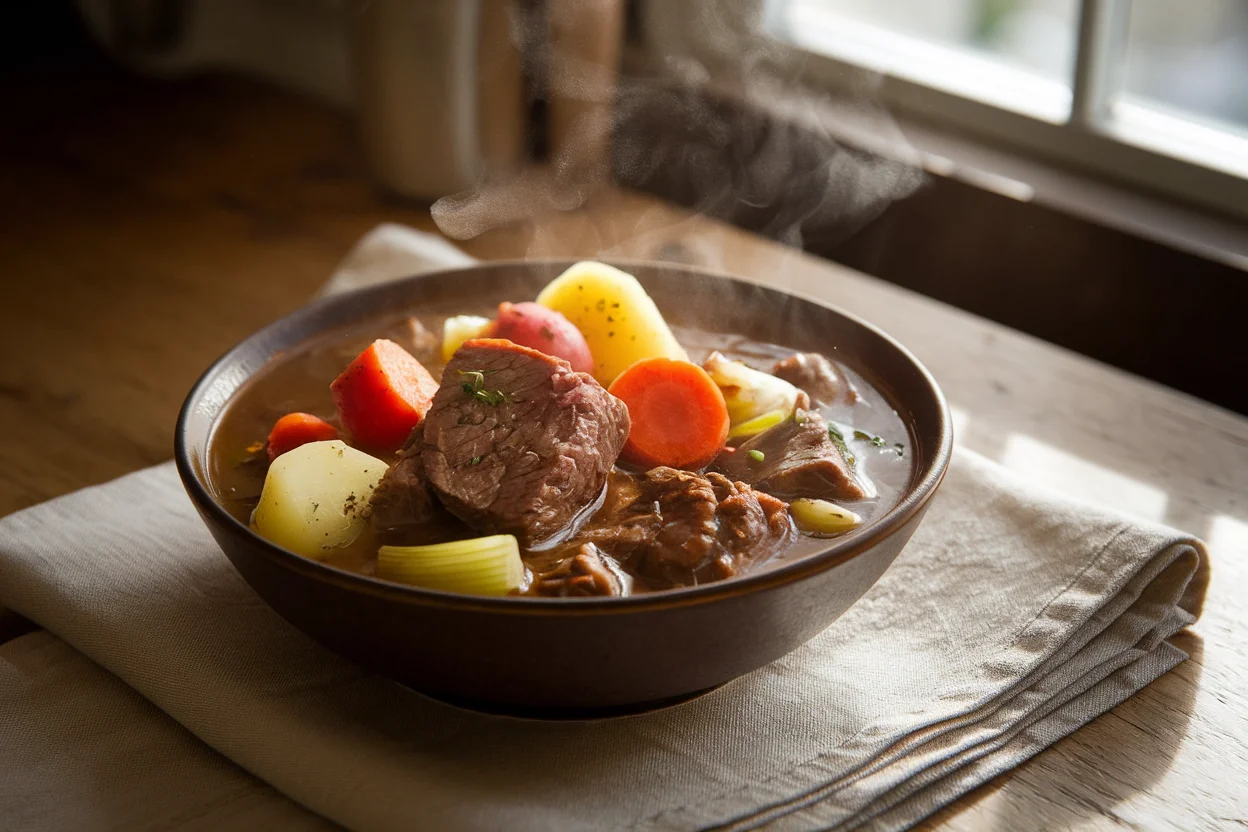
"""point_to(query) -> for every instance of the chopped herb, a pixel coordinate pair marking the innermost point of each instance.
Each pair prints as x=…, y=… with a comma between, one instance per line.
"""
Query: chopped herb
x=615, y=305
x=610, y=334
x=866, y=437
x=476, y=460
x=476, y=388
x=757, y=456
x=601, y=305
x=547, y=334
x=476, y=380
x=610, y=319
x=838, y=439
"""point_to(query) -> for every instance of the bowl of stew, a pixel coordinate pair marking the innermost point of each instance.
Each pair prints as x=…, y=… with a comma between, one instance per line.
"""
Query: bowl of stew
x=561, y=488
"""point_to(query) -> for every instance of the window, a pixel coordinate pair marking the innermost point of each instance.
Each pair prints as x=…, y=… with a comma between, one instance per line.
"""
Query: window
x=1151, y=91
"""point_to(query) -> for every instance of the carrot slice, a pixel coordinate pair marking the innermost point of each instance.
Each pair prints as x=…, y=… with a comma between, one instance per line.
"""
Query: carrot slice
x=295, y=429
x=382, y=395
x=678, y=414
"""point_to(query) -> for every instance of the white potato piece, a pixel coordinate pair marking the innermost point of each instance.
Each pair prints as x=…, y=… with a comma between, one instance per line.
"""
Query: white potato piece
x=619, y=320
x=314, y=498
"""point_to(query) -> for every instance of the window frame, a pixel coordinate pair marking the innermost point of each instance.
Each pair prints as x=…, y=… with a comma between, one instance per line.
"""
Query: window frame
x=1102, y=133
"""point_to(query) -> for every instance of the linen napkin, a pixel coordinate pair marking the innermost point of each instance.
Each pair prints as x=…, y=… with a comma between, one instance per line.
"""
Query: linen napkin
x=1013, y=617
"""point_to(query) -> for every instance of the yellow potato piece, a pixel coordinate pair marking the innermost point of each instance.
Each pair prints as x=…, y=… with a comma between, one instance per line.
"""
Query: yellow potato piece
x=314, y=498
x=620, y=322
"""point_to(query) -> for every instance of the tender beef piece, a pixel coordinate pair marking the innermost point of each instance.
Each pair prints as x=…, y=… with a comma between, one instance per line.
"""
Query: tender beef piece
x=404, y=508
x=517, y=442
x=580, y=570
x=677, y=528
x=799, y=460
x=817, y=375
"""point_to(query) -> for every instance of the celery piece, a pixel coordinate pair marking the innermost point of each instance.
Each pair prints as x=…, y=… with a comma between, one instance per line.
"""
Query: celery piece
x=461, y=328
x=758, y=424
x=477, y=566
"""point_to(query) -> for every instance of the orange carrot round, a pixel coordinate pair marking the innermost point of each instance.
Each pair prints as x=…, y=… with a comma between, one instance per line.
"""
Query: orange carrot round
x=678, y=414
x=295, y=429
x=382, y=395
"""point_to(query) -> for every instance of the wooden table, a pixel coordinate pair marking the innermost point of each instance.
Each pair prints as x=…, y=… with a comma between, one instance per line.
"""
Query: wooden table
x=147, y=227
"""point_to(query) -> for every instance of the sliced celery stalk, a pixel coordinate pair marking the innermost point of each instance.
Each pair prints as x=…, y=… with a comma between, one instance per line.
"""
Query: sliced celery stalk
x=460, y=328
x=478, y=566
x=758, y=424
x=822, y=517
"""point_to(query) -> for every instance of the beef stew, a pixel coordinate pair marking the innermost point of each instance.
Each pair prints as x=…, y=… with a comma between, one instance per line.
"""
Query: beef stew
x=516, y=442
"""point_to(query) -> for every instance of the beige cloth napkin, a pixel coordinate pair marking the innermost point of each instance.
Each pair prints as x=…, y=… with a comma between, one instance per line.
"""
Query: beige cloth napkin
x=1013, y=617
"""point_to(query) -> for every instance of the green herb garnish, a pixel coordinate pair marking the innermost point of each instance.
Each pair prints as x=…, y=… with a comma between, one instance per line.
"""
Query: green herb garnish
x=838, y=439
x=475, y=387
x=757, y=456
x=476, y=460
x=877, y=441
x=837, y=435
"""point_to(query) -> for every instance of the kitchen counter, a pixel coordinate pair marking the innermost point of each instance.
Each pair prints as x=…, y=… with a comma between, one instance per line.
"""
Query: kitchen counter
x=147, y=227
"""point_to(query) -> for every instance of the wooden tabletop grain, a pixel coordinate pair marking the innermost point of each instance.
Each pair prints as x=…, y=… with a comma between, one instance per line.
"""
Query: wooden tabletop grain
x=146, y=227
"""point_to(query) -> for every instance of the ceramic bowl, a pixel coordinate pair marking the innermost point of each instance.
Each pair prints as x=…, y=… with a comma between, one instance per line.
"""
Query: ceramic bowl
x=578, y=656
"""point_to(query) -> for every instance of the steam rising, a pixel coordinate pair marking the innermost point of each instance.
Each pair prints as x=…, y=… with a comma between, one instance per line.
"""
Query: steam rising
x=788, y=177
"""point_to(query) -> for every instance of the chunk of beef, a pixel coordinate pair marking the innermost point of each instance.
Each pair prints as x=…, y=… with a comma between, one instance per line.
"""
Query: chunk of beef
x=517, y=442
x=817, y=376
x=677, y=528
x=404, y=509
x=799, y=459
x=580, y=570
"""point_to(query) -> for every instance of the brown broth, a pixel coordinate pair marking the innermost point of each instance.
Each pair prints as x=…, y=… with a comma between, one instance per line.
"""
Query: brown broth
x=300, y=381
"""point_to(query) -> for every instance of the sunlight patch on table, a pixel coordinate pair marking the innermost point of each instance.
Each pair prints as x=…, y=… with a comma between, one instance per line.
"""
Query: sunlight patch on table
x=1082, y=480
x=1226, y=535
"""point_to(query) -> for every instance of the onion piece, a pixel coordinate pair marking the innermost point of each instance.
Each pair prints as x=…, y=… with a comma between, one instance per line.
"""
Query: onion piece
x=822, y=517
x=749, y=393
x=478, y=566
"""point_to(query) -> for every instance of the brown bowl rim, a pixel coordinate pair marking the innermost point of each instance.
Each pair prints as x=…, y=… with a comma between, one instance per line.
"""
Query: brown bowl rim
x=929, y=477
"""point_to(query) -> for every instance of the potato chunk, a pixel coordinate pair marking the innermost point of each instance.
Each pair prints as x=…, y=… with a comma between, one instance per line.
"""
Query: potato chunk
x=314, y=498
x=620, y=322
